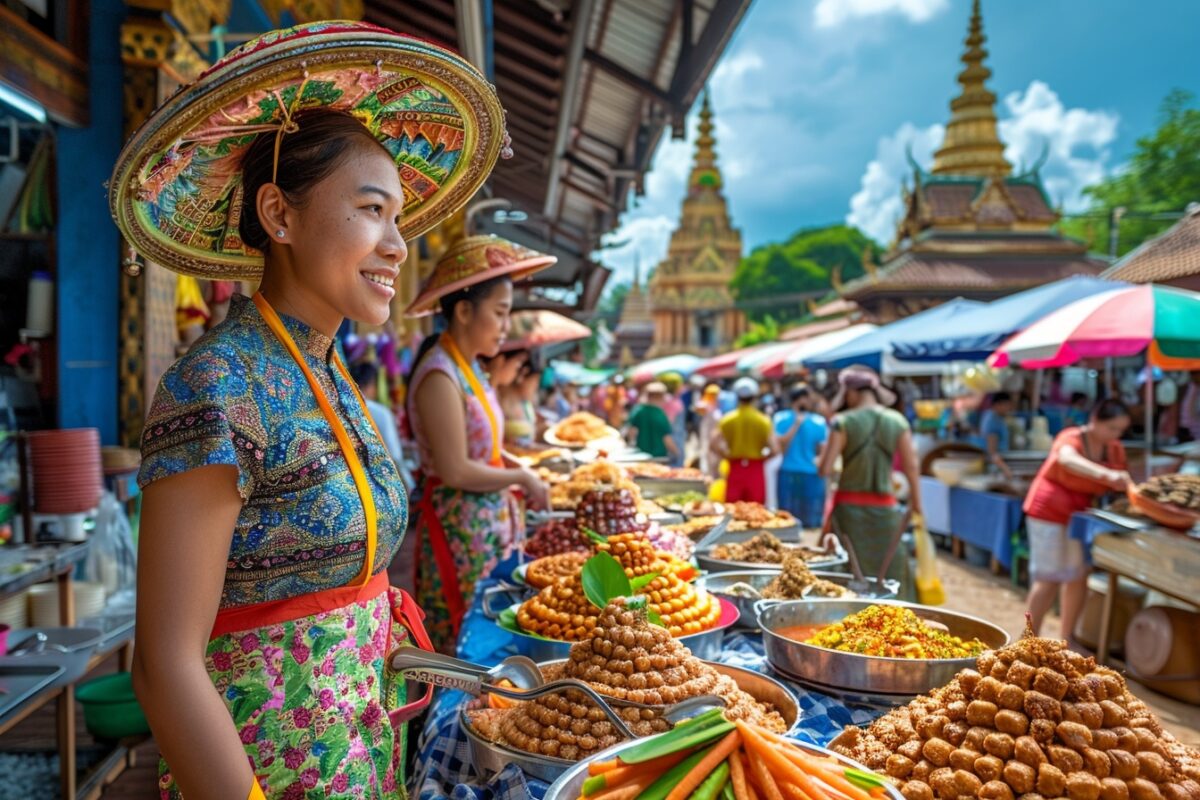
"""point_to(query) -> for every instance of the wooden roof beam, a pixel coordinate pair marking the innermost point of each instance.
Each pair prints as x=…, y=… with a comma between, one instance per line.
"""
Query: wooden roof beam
x=581, y=20
x=636, y=82
x=700, y=59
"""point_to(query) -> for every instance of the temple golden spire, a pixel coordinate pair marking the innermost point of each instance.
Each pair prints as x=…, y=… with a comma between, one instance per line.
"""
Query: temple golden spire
x=705, y=174
x=972, y=145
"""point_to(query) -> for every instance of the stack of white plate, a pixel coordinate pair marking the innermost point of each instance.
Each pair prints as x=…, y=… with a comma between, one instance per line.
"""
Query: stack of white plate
x=43, y=602
x=14, y=610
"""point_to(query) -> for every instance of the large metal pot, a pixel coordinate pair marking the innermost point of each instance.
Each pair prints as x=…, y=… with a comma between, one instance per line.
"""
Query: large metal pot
x=862, y=675
x=490, y=758
x=721, y=584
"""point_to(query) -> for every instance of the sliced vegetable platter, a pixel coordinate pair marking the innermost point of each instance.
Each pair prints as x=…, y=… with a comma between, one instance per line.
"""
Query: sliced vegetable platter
x=711, y=758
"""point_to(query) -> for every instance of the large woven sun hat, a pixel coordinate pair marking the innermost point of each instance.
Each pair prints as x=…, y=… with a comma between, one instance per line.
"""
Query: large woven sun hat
x=472, y=260
x=176, y=190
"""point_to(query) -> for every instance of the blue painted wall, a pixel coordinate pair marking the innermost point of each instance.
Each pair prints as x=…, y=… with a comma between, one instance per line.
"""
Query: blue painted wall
x=88, y=270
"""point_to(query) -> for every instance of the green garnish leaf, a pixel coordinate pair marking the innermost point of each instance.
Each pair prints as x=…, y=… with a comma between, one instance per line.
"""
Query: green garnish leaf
x=642, y=581
x=653, y=617
x=604, y=580
x=595, y=537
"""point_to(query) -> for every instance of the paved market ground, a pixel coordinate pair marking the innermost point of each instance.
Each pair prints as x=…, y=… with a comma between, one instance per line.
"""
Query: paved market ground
x=968, y=589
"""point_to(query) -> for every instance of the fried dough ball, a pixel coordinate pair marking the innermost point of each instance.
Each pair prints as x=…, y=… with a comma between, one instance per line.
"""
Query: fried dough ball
x=995, y=790
x=1123, y=764
x=1028, y=751
x=1074, y=735
x=1065, y=758
x=1113, y=789
x=988, y=768
x=1051, y=781
x=1142, y=789
x=1014, y=723
x=1082, y=786
x=916, y=790
x=1039, y=705
x=1021, y=777
x=1050, y=683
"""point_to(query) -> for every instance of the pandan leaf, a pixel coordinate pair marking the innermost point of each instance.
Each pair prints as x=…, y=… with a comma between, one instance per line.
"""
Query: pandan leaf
x=595, y=537
x=653, y=617
x=642, y=581
x=604, y=580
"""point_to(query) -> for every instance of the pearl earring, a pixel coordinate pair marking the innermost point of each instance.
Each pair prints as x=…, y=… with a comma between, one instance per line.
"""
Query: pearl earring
x=279, y=233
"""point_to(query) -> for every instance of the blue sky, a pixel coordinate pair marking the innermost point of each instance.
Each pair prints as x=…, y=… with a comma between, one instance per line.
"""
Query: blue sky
x=816, y=101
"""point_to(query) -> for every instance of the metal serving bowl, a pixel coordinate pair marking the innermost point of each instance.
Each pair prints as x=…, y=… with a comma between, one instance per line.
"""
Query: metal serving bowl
x=792, y=535
x=569, y=785
x=720, y=583
x=871, y=676
x=657, y=487
x=490, y=758
x=704, y=645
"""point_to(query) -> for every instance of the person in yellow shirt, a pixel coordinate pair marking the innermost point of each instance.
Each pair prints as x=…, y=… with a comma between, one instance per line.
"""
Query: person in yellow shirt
x=745, y=437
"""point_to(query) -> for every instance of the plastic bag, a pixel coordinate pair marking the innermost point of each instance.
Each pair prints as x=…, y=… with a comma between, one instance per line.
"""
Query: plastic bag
x=929, y=585
x=112, y=559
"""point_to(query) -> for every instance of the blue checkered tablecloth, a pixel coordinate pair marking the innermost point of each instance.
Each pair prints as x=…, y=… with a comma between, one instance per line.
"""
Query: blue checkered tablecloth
x=443, y=767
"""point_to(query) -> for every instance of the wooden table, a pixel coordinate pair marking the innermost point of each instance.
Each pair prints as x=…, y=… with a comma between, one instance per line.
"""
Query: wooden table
x=1159, y=559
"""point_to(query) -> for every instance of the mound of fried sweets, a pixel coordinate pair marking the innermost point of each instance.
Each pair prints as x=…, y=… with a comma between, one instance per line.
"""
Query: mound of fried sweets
x=797, y=581
x=1035, y=721
x=545, y=571
x=624, y=657
x=562, y=610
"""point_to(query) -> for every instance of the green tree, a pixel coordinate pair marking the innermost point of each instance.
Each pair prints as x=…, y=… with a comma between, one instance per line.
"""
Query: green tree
x=759, y=332
x=612, y=302
x=1161, y=178
x=802, y=264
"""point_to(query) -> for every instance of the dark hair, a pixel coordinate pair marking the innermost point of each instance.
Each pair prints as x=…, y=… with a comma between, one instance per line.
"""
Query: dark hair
x=364, y=373
x=1109, y=409
x=322, y=141
x=474, y=295
x=1001, y=397
x=1077, y=396
x=799, y=392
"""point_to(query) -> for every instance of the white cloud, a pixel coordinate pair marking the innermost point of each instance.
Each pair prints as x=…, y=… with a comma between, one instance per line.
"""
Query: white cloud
x=877, y=206
x=1076, y=141
x=831, y=13
x=640, y=242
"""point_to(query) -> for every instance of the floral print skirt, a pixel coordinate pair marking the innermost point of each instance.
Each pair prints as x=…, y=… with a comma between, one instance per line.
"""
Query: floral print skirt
x=479, y=530
x=308, y=698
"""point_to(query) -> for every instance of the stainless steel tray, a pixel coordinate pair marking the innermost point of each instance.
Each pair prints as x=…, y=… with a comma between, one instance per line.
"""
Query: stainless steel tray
x=657, y=487
x=20, y=682
x=490, y=758
x=865, y=676
x=706, y=561
x=704, y=645
x=719, y=584
x=569, y=785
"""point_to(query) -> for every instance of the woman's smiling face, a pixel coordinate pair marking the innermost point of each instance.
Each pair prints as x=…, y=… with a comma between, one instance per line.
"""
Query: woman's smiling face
x=345, y=239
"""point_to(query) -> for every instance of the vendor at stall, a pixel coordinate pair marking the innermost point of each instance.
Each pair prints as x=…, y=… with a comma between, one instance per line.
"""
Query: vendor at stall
x=464, y=515
x=708, y=414
x=271, y=506
x=993, y=426
x=1084, y=463
x=745, y=437
x=868, y=435
x=523, y=424
x=802, y=434
x=649, y=427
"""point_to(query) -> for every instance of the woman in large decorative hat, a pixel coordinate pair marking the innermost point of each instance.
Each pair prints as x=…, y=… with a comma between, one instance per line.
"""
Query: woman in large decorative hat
x=272, y=508
x=464, y=516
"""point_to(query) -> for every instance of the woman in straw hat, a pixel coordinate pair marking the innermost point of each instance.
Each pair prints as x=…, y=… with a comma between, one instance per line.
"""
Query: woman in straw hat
x=303, y=160
x=465, y=513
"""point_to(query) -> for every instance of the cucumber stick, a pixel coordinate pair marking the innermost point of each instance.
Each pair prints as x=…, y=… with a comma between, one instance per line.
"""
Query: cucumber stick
x=681, y=738
x=666, y=782
x=710, y=788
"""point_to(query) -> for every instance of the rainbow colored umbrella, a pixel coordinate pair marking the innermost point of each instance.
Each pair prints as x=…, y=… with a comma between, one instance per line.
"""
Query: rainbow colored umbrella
x=1159, y=320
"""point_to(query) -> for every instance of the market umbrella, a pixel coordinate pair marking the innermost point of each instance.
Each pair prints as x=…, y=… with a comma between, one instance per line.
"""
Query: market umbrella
x=776, y=365
x=976, y=336
x=725, y=365
x=683, y=363
x=570, y=372
x=535, y=328
x=1156, y=320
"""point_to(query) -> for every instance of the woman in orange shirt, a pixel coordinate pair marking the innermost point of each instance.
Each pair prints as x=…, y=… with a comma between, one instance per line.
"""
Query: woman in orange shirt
x=1084, y=463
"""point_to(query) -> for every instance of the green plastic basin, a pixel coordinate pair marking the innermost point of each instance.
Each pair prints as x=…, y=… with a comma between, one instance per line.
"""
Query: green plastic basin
x=110, y=709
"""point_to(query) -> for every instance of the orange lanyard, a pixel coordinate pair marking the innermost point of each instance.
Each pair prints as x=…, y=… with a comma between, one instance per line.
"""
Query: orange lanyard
x=450, y=347
x=339, y=430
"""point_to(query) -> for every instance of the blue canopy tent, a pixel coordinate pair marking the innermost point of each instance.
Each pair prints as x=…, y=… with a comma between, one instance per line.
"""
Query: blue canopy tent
x=875, y=348
x=974, y=337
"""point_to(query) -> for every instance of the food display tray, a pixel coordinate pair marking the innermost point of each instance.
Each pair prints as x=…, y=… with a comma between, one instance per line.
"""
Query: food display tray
x=491, y=758
x=719, y=584
x=569, y=785
x=837, y=672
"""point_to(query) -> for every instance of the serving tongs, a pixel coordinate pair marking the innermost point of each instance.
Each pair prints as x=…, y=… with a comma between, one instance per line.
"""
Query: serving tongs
x=454, y=673
x=714, y=533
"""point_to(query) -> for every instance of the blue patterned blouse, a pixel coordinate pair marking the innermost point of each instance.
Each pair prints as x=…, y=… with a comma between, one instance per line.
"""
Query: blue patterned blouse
x=238, y=398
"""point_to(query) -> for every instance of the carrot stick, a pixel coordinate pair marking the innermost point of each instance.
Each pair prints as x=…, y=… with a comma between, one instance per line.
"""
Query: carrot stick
x=627, y=772
x=737, y=776
x=762, y=776
x=779, y=766
x=596, y=767
x=627, y=791
x=826, y=770
x=707, y=764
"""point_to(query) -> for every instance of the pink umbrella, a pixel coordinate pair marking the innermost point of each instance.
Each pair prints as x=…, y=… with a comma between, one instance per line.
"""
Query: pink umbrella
x=536, y=328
